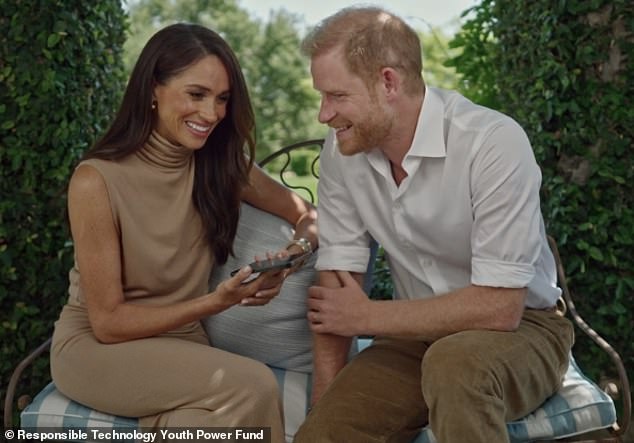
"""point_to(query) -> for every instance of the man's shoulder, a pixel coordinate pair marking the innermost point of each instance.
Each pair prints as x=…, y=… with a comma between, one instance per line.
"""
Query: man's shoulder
x=461, y=112
x=457, y=105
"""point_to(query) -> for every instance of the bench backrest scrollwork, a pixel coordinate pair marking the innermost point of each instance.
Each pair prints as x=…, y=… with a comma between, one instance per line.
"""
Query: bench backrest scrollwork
x=285, y=154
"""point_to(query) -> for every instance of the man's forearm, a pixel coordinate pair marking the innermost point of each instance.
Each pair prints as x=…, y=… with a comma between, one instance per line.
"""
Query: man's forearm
x=470, y=308
x=330, y=354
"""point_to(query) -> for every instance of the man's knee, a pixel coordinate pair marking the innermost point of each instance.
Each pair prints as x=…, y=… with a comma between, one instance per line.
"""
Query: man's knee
x=451, y=367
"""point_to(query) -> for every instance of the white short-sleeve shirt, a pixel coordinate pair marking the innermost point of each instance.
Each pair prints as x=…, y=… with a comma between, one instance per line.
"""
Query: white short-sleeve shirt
x=467, y=213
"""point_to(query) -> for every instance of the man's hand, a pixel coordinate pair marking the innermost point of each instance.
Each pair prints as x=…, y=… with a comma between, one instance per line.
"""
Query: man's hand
x=341, y=311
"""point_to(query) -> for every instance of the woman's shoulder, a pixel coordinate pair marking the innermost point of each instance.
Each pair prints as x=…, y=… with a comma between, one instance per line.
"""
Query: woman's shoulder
x=87, y=180
x=98, y=164
x=110, y=171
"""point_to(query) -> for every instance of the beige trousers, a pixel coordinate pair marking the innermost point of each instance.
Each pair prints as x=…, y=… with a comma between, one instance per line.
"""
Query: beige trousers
x=466, y=385
x=175, y=380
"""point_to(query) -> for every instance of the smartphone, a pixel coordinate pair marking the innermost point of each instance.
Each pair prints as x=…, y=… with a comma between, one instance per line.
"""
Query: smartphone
x=271, y=264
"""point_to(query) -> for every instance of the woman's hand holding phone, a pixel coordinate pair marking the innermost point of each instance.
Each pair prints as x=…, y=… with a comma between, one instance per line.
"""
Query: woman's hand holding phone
x=269, y=274
x=248, y=289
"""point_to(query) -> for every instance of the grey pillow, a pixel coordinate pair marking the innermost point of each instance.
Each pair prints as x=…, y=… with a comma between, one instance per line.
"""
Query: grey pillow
x=276, y=334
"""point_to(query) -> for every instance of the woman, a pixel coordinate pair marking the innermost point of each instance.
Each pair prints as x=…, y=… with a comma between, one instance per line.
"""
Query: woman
x=152, y=207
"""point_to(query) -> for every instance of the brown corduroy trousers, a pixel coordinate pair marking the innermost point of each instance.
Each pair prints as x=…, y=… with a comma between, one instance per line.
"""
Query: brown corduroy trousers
x=466, y=386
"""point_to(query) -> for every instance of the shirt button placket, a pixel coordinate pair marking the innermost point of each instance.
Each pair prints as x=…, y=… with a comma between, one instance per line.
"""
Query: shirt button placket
x=399, y=224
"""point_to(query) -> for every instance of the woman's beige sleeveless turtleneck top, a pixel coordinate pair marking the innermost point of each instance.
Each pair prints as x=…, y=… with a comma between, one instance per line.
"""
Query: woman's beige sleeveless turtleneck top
x=164, y=255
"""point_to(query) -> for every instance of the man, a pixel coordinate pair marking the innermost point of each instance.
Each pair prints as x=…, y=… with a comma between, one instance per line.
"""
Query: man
x=450, y=190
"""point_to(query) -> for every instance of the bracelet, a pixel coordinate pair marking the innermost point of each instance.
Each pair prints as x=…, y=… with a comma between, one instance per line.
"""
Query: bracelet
x=302, y=243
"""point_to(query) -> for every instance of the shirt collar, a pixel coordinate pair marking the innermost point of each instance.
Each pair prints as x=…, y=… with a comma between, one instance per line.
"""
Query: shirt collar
x=429, y=138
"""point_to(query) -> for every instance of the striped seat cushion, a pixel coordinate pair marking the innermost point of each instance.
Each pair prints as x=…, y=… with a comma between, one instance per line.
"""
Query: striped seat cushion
x=51, y=409
x=578, y=407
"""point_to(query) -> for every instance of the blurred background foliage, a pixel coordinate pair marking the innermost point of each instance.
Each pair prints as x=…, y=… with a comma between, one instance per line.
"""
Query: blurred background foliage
x=562, y=68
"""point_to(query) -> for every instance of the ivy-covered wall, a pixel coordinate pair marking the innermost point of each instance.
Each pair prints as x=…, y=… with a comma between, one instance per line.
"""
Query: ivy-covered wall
x=60, y=77
x=565, y=70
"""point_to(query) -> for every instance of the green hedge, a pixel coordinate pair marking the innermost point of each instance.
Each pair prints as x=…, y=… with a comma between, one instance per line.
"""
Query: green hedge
x=60, y=78
x=565, y=70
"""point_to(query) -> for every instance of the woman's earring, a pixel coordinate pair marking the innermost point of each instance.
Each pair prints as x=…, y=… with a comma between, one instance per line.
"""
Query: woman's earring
x=153, y=104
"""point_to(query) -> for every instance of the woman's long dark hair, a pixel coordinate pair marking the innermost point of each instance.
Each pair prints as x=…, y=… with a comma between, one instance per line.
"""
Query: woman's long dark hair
x=222, y=168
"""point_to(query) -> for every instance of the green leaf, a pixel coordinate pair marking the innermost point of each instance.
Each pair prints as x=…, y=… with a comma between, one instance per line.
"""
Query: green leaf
x=53, y=39
x=595, y=253
x=8, y=124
